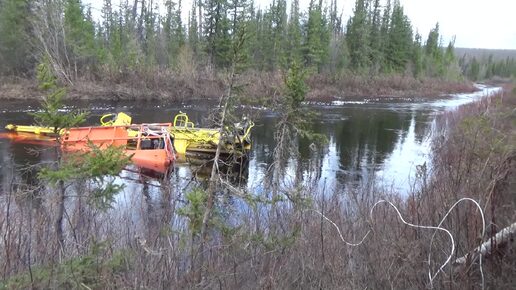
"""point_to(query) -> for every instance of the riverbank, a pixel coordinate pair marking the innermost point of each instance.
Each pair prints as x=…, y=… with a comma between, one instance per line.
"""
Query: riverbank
x=257, y=87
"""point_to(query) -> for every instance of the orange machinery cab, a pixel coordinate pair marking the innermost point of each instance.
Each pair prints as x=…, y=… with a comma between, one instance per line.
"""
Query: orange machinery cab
x=151, y=148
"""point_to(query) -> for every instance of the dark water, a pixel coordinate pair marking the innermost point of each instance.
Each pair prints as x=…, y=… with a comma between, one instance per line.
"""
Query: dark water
x=385, y=140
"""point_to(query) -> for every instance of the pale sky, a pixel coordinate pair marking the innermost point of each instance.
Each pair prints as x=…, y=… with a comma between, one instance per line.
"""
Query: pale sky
x=475, y=23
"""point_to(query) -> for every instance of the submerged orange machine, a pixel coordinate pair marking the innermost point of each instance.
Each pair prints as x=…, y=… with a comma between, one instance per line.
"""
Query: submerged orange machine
x=151, y=148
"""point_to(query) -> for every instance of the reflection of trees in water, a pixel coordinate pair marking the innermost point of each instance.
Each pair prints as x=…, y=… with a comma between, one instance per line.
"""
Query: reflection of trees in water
x=367, y=137
x=20, y=164
x=422, y=125
x=263, y=140
x=157, y=210
x=310, y=159
x=363, y=139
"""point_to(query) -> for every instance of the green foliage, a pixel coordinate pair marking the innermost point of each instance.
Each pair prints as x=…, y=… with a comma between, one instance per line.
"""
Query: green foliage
x=305, y=129
x=432, y=46
x=52, y=117
x=487, y=67
x=98, y=166
x=173, y=31
x=399, y=41
x=317, y=37
x=417, y=56
x=14, y=46
x=294, y=34
x=295, y=85
x=194, y=210
x=46, y=79
x=275, y=242
x=255, y=200
x=134, y=38
x=295, y=91
x=86, y=270
x=375, y=36
x=217, y=32
x=52, y=113
x=80, y=34
x=357, y=36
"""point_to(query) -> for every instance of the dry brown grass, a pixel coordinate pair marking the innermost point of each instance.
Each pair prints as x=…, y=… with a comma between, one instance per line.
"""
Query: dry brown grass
x=202, y=83
x=393, y=86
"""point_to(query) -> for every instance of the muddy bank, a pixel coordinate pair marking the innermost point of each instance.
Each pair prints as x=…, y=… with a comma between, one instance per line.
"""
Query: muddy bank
x=257, y=87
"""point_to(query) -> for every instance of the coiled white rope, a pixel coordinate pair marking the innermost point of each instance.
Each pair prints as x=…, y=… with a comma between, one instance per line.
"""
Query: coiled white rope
x=452, y=250
x=435, y=228
x=442, y=221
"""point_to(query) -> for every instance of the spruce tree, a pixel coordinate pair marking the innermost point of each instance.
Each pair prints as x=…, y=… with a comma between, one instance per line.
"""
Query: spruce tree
x=173, y=31
x=433, y=53
x=375, y=55
x=417, y=56
x=357, y=36
x=80, y=36
x=15, y=49
x=294, y=36
x=98, y=166
x=193, y=36
x=216, y=29
x=317, y=36
x=399, y=42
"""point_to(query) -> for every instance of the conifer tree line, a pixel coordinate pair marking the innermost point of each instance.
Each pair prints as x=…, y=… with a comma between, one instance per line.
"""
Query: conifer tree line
x=145, y=36
x=487, y=67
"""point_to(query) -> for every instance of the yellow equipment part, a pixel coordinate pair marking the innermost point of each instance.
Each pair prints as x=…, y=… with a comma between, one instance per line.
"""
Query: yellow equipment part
x=121, y=119
x=187, y=137
x=32, y=129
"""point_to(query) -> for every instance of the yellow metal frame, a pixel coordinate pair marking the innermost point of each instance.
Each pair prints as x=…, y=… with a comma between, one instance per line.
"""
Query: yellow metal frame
x=181, y=121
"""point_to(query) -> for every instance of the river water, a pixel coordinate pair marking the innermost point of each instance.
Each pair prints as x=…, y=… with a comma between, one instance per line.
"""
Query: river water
x=381, y=139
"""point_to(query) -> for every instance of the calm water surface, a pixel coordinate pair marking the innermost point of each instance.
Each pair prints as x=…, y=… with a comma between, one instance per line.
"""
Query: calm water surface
x=381, y=139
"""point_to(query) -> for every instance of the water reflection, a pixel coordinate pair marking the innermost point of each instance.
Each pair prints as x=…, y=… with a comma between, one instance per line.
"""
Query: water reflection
x=366, y=140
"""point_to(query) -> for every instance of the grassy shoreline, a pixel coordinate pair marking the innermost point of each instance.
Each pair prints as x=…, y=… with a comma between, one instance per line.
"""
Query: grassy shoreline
x=256, y=87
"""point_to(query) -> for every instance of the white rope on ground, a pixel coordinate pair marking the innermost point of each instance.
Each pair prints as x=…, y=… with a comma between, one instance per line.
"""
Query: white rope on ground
x=435, y=228
x=340, y=233
x=432, y=277
x=442, y=221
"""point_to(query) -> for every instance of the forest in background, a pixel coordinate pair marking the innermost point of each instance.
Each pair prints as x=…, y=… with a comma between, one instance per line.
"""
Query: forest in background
x=146, y=43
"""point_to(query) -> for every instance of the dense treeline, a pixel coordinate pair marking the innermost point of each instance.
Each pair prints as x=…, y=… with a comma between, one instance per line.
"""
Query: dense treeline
x=487, y=67
x=144, y=36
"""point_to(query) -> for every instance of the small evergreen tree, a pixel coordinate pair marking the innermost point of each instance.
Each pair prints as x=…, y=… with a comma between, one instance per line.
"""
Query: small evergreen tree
x=95, y=166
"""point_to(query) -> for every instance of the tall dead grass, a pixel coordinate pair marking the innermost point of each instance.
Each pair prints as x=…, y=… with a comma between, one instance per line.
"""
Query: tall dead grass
x=190, y=81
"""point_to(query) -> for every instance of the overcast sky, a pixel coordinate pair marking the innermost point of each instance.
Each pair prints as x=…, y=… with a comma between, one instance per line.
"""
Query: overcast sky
x=475, y=23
